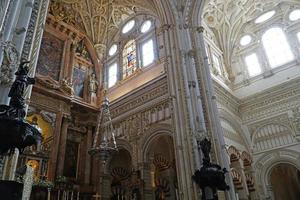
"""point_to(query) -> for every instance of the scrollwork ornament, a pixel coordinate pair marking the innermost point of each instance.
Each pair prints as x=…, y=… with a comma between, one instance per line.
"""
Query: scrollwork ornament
x=9, y=64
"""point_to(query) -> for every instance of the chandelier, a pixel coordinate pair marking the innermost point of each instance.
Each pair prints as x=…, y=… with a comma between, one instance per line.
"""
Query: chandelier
x=104, y=143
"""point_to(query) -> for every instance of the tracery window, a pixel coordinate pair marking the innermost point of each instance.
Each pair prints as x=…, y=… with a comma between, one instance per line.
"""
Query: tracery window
x=276, y=47
x=136, y=48
x=269, y=44
x=129, y=58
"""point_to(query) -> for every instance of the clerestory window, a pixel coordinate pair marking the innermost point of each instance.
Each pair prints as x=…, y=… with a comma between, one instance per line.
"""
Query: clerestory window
x=276, y=47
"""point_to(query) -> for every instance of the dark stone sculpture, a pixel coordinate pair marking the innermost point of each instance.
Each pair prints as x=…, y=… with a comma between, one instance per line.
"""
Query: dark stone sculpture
x=210, y=175
x=15, y=132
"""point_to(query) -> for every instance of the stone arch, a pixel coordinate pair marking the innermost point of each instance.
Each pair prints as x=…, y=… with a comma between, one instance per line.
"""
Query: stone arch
x=263, y=167
x=124, y=144
x=246, y=158
x=151, y=134
x=230, y=119
x=234, y=154
x=271, y=135
x=159, y=156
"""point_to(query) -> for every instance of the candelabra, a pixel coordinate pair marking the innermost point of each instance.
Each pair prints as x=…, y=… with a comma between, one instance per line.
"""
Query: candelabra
x=104, y=143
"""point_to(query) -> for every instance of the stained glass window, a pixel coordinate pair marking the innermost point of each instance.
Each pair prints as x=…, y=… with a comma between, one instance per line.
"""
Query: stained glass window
x=129, y=58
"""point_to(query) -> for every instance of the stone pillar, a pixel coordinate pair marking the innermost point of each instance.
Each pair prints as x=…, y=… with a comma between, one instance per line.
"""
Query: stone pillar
x=22, y=25
x=18, y=38
x=3, y=13
x=6, y=36
x=62, y=146
x=244, y=193
x=212, y=110
x=56, y=147
x=9, y=22
x=13, y=161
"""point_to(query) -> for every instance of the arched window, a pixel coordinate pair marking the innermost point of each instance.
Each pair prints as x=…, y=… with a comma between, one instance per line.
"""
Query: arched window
x=129, y=58
x=253, y=65
x=277, y=48
x=112, y=74
x=148, y=52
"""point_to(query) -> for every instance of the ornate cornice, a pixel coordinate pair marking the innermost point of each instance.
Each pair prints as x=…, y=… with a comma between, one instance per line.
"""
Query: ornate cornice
x=140, y=97
x=271, y=102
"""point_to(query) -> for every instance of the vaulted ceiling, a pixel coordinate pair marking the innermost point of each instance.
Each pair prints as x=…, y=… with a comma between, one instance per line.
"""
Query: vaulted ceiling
x=96, y=18
x=226, y=19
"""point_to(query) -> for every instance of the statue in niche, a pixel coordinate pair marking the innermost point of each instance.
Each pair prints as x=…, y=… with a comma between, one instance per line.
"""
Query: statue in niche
x=93, y=86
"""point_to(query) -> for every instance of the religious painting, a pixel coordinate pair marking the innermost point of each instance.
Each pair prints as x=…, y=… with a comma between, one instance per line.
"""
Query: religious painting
x=50, y=57
x=78, y=81
x=71, y=159
x=129, y=58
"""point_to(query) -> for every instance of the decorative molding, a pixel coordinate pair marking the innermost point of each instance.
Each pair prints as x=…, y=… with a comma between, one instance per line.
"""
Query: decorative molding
x=139, y=97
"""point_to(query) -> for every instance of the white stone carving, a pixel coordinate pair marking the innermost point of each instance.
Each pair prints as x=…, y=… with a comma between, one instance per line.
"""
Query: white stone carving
x=9, y=64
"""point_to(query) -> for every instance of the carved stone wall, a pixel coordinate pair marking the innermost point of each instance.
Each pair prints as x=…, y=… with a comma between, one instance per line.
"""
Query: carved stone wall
x=269, y=122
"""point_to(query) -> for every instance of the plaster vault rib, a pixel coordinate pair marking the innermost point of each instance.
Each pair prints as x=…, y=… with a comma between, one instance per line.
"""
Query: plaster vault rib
x=97, y=18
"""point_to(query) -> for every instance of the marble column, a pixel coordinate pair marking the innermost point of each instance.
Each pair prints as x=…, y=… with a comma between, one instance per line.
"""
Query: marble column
x=18, y=38
x=212, y=111
x=186, y=152
x=6, y=36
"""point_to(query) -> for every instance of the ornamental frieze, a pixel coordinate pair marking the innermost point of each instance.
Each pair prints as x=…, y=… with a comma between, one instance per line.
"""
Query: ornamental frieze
x=138, y=123
x=147, y=94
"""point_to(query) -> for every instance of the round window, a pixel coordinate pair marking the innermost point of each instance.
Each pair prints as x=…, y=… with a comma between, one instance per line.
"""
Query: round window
x=128, y=26
x=113, y=49
x=264, y=17
x=146, y=26
x=245, y=40
x=295, y=15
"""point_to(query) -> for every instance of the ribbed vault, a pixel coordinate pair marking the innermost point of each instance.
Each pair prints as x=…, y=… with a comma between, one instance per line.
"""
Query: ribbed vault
x=227, y=19
x=96, y=18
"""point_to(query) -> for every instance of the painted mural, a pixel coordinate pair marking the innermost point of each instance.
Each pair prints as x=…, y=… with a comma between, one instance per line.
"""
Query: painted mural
x=78, y=81
x=50, y=57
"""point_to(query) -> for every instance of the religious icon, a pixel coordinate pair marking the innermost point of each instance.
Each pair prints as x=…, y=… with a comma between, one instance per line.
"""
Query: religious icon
x=50, y=56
